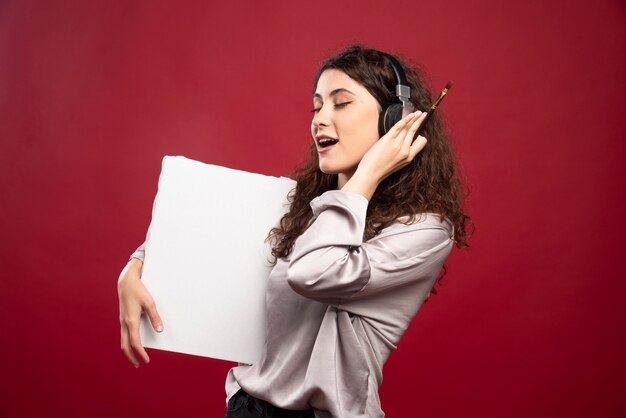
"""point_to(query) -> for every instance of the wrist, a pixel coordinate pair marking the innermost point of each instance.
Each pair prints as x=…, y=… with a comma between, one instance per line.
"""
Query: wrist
x=135, y=264
x=131, y=271
x=363, y=183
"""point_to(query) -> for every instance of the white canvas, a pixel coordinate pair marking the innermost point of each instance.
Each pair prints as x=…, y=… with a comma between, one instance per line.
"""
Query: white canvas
x=207, y=262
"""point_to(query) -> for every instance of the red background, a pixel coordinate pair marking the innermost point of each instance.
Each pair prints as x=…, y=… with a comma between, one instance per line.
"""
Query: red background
x=93, y=94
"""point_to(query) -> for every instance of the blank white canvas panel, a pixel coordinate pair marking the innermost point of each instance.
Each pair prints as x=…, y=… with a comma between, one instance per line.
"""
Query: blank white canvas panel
x=207, y=261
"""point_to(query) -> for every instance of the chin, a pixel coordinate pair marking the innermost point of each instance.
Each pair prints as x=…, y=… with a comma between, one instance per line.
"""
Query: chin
x=336, y=169
x=324, y=168
x=327, y=168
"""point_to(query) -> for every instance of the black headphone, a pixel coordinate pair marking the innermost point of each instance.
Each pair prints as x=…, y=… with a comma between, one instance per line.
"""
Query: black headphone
x=392, y=113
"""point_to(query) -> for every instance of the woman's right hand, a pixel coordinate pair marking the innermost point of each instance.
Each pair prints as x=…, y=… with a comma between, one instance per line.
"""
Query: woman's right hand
x=393, y=151
x=135, y=298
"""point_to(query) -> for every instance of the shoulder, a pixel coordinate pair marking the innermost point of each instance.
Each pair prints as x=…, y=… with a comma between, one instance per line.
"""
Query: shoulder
x=410, y=237
x=428, y=221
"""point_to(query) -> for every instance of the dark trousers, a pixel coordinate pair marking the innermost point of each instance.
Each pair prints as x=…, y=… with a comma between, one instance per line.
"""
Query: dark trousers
x=242, y=405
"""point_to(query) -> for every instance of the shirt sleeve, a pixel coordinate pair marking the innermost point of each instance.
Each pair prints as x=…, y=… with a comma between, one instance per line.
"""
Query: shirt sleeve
x=330, y=262
x=140, y=253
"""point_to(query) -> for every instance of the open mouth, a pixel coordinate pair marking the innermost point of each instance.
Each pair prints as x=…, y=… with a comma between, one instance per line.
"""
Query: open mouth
x=326, y=142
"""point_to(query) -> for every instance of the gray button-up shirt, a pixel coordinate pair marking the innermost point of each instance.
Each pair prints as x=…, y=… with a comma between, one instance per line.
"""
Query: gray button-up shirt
x=338, y=306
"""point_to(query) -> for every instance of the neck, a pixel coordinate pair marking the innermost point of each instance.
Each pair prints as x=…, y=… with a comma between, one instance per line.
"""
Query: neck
x=342, y=179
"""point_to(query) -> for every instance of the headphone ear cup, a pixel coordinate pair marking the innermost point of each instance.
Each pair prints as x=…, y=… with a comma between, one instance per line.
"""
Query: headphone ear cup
x=389, y=117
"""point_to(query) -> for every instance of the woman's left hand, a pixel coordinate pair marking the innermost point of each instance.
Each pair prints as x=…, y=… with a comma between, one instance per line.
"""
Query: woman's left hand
x=389, y=154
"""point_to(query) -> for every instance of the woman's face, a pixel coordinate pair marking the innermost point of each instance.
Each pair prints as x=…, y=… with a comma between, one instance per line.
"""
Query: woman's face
x=345, y=124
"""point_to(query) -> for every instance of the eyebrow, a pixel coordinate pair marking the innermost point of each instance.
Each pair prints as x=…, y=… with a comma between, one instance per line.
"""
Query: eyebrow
x=334, y=92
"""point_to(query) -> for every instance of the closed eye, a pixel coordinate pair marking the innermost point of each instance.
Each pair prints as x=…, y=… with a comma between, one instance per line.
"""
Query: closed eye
x=337, y=106
x=344, y=104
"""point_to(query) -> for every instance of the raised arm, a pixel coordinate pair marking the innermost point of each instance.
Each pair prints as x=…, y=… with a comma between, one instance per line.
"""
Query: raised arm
x=331, y=263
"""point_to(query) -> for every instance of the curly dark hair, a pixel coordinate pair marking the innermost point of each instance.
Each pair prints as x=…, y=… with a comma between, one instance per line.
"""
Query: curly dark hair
x=428, y=184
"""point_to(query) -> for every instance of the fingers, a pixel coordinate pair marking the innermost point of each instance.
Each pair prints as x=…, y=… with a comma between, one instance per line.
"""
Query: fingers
x=406, y=135
x=152, y=313
x=128, y=352
x=417, y=146
x=409, y=133
x=416, y=124
x=135, y=341
x=131, y=340
x=407, y=126
x=400, y=127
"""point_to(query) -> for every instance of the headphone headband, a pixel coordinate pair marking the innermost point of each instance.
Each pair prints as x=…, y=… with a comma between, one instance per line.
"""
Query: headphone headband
x=397, y=68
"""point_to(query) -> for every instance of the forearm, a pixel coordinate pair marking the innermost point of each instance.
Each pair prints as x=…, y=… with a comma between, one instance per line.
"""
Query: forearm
x=135, y=263
x=326, y=263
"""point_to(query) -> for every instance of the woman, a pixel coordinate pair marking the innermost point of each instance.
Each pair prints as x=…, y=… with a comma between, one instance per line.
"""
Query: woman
x=372, y=220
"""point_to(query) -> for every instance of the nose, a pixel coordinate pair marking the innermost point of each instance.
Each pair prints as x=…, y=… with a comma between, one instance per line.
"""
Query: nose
x=321, y=118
